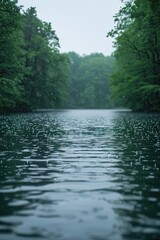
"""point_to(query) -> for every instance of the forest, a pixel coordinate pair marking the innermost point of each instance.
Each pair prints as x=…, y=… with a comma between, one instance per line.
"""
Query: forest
x=35, y=75
x=89, y=81
x=135, y=81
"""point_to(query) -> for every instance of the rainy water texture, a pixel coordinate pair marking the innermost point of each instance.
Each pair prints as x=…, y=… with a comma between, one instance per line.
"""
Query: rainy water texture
x=80, y=175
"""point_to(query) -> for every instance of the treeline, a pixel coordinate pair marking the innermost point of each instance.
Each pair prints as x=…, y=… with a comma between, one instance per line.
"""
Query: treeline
x=135, y=82
x=89, y=81
x=33, y=74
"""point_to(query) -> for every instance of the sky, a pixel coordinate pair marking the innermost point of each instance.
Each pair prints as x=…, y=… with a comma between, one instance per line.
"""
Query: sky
x=81, y=25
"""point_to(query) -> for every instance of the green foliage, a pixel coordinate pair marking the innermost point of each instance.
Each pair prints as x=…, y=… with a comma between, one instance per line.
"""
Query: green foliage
x=11, y=54
x=33, y=74
x=136, y=79
x=59, y=80
x=44, y=80
x=89, y=80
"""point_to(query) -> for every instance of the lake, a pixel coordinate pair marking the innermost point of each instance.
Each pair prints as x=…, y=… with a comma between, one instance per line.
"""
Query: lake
x=80, y=175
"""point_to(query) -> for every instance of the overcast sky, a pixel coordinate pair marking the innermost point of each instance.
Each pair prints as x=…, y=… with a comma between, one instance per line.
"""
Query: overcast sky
x=81, y=25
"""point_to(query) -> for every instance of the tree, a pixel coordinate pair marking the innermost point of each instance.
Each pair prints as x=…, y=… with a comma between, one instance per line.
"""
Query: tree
x=89, y=77
x=33, y=74
x=75, y=86
x=136, y=79
x=11, y=54
x=95, y=73
x=43, y=81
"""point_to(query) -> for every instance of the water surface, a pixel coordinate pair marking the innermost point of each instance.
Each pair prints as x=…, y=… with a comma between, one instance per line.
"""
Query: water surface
x=80, y=175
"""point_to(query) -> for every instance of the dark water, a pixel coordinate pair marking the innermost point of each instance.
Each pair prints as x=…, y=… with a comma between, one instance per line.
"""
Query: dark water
x=80, y=175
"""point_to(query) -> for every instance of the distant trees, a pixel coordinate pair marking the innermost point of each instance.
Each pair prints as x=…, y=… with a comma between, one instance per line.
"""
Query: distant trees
x=89, y=80
x=135, y=81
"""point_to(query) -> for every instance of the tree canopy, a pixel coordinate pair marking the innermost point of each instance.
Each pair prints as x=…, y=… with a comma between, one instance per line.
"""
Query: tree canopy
x=135, y=82
x=89, y=80
x=33, y=73
x=11, y=54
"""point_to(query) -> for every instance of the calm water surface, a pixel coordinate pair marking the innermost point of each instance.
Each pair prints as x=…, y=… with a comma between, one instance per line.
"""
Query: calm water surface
x=80, y=175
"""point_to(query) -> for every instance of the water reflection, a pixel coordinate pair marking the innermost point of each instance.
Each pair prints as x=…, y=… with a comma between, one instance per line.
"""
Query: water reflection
x=95, y=170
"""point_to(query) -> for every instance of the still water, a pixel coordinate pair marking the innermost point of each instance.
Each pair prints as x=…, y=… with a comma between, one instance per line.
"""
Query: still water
x=80, y=175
